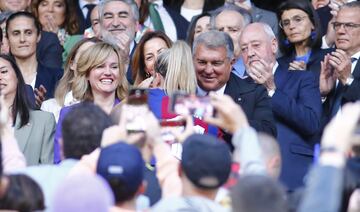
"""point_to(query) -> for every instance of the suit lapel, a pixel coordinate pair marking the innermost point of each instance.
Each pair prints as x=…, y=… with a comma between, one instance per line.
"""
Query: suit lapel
x=356, y=72
x=236, y=87
x=22, y=134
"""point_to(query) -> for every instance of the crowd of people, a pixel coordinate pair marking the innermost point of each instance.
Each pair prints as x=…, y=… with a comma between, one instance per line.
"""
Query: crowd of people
x=168, y=105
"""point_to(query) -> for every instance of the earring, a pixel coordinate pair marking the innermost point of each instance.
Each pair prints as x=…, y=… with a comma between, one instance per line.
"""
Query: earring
x=313, y=35
x=286, y=42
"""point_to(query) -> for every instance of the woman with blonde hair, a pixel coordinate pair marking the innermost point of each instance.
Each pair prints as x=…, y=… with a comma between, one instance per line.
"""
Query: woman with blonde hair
x=174, y=72
x=63, y=91
x=100, y=78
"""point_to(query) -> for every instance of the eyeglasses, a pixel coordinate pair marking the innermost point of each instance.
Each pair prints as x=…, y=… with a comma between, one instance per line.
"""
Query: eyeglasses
x=347, y=26
x=296, y=20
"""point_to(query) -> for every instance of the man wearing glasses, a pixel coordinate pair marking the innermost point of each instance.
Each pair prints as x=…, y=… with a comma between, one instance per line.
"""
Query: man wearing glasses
x=340, y=70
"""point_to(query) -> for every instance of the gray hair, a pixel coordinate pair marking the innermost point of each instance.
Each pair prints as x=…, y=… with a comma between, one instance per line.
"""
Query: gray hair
x=354, y=4
x=131, y=3
x=161, y=63
x=215, y=39
x=267, y=29
x=231, y=7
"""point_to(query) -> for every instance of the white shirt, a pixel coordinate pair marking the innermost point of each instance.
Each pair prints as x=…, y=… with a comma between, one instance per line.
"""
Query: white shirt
x=168, y=23
x=201, y=92
x=82, y=4
x=188, y=14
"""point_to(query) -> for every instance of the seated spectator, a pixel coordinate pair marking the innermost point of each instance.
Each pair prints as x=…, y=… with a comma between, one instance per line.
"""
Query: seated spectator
x=58, y=17
x=48, y=48
x=9, y=5
x=145, y=55
x=258, y=14
x=100, y=78
x=34, y=130
x=300, y=37
x=198, y=24
x=121, y=165
x=94, y=29
x=22, y=194
x=41, y=78
x=63, y=91
x=84, y=192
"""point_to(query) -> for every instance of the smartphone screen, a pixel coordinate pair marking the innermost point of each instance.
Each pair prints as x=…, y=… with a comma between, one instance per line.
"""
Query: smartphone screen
x=188, y=104
x=136, y=109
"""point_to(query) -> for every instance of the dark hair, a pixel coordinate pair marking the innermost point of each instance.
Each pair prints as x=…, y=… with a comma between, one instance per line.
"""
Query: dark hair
x=82, y=129
x=122, y=191
x=138, y=64
x=307, y=7
x=258, y=193
x=21, y=102
x=23, y=14
x=23, y=194
x=191, y=29
x=71, y=23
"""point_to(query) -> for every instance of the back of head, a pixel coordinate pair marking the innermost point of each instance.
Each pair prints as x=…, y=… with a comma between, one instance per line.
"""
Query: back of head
x=22, y=194
x=122, y=166
x=82, y=129
x=206, y=161
x=271, y=153
x=83, y=192
x=258, y=193
x=180, y=71
x=215, y=39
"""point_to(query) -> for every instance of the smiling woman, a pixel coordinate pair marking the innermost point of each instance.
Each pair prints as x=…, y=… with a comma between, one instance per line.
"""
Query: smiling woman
x=100, y=79
x=146, y=52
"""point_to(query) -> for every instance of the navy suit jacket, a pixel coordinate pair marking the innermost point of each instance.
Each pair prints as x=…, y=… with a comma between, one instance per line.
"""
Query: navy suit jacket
x=48, y=77
x=181, y=24
x=49, y=50
x=296, y=105
x=347, y=94
x=314, y=65
x=254, y=101
x=81, y=18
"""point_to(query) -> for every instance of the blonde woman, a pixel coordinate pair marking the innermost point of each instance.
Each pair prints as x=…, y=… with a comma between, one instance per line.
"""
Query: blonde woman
x=63, y=92
x=174, y=71
x=100, y=78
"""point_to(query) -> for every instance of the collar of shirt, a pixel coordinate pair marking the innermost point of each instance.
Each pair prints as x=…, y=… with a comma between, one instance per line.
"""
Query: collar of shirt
x=357, y=56
x=159, y=3
x=201, y=92
x=276, y=65
x=239, y=68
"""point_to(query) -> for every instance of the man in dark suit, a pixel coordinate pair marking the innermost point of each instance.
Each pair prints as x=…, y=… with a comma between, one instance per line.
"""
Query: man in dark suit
x=119, y=21
x=340, y=71
x=295, y=99
x=83, y=11
x=213, y=58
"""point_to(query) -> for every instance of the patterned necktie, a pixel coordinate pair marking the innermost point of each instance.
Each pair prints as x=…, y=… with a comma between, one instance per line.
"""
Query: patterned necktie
x=155, y=18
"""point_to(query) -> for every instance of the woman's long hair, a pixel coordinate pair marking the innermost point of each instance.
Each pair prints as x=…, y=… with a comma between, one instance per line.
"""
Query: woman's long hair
x=67, y=79
x=21, y=101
